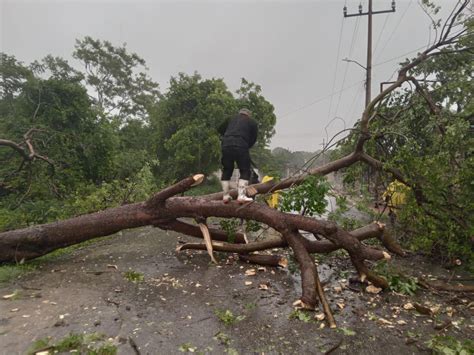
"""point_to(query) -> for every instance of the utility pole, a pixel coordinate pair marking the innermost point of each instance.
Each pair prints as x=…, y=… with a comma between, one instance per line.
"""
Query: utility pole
x=368, y=68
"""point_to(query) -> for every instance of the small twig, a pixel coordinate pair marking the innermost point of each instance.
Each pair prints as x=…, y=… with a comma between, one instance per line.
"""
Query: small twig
x=324, y=302
x=334, y=347
x=29, y=288
x=134, y=345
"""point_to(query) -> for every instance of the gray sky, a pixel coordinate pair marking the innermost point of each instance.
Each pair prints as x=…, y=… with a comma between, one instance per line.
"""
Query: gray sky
x=288, y=47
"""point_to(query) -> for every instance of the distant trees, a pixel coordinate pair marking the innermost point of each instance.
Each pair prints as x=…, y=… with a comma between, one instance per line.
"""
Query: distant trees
x=104, y=129
x=121, y=88
x=289, y=163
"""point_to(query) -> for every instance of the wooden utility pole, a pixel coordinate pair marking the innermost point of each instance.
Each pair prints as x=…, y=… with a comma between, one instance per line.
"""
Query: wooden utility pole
x=368, y=68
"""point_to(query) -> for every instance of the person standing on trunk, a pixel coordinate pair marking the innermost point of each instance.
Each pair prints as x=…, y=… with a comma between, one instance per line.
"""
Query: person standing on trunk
x=240, y=135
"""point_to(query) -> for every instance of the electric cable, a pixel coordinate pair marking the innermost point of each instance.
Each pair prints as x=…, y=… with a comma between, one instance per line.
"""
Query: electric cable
x=353, y=41
x=396, y=27
x=319, y=100
x=337, y=64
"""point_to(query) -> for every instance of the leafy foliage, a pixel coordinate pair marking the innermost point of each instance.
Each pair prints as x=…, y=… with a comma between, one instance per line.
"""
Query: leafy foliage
x=397, y=281
x=302, y=315
x=447, y=345
x=339, y=215
x=307, y=198
x=190, y=118
x=227, y=317
x=134, y=276
x=433, y=150
x=91, y=344
x=111, y=136
x=230, y=227
x=122, y=93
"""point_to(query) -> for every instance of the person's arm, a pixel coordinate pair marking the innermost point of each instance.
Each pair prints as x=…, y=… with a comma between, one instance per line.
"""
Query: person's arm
x=253, y=133
x=223, y=127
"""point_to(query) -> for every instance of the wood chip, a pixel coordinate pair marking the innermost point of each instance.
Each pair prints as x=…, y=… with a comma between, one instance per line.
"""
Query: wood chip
x=373, y=289
x=250, y=272
x=248, y=283
x=320, y=316
x=384, y=321
x=408, y=306
x=11, y=295
x=283, y=262
x=263, y=287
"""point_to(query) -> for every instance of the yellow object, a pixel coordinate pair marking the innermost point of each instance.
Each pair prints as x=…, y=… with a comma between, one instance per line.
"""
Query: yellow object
x=395, y=195
x=272, y=201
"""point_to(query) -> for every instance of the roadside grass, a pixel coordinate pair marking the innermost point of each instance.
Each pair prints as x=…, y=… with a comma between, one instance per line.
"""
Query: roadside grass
x=91, y=344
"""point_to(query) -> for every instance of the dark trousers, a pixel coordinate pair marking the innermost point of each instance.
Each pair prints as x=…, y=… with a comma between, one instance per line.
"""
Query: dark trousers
x=232, y=155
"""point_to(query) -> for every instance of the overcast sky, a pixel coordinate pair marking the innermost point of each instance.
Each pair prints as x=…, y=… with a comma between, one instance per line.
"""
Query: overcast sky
x=291, y=48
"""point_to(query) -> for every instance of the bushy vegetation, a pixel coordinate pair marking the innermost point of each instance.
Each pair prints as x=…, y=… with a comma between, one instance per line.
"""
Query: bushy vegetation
x=108, y=135
x=432, y=148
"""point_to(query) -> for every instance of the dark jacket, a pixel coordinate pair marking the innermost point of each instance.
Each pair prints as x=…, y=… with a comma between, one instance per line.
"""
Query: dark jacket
x=241, y=132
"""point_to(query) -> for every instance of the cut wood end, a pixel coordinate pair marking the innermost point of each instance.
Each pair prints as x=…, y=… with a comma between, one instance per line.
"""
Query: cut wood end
x=179, y=247
x=363, y=277
x=198, y=178
x=332, y=326
x=386, y=255
x=299, y=304
x=283, y=262
x=380, y=224
x=251, y=191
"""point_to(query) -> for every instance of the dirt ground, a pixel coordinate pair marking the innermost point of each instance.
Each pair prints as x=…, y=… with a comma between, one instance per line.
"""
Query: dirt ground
x=175, y=308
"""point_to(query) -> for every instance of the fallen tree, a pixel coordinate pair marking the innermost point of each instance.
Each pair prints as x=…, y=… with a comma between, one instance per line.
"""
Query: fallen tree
x=166, y=210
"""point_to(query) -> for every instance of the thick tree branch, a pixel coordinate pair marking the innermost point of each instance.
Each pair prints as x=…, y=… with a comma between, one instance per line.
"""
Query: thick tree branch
x=28, y=154
x=158, y=199
x=307, y=268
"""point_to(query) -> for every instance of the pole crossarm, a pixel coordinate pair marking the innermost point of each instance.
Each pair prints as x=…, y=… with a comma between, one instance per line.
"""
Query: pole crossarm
x=366, y=13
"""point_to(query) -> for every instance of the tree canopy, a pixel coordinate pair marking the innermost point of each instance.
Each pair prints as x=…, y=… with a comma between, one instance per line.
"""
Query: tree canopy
x=106, y=128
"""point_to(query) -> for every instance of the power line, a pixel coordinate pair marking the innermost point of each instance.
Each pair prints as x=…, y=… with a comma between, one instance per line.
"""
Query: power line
x=358, y=93
x=353, y=41
x=381, y=32
x=396, y=27
x=400, y=56
x=337, y=64
x=319, y=100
